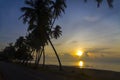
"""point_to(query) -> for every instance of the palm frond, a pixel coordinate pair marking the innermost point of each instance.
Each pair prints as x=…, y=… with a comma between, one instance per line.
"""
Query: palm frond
x=57, y=32
x=30, y=3
x=110, y=3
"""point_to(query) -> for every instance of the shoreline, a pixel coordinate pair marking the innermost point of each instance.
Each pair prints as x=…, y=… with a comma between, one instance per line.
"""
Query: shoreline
x=68, y=72
x=83, y=73
x=77, y=67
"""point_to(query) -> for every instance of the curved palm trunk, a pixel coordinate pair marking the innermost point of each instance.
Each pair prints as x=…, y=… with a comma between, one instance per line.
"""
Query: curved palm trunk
x=60, y=65
x=53, y=22
x=43, y=57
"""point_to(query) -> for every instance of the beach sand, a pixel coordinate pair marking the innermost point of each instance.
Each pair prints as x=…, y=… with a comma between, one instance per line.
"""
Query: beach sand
x=74, y=73
x=1, y=76
x=68, y=72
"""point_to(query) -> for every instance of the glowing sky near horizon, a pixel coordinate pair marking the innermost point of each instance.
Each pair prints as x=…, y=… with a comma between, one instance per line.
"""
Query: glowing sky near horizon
x=94, y=30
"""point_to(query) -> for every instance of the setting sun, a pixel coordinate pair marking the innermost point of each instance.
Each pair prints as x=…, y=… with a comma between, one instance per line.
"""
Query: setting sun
x=79, y=53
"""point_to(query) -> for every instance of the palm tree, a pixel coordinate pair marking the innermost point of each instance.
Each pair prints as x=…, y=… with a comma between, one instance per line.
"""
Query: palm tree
x=36, y=45
x=23, y=51
x=58, y=7
x=9, y=52
x=19, y=42
x=41, y=16
x=57, y=32
x=99, y=2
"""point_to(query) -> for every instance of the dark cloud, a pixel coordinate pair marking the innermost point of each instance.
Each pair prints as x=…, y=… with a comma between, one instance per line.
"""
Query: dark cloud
x=74, y=42
x=59, y=44
x=64, y=57
x=97, y=50
x=104, y=59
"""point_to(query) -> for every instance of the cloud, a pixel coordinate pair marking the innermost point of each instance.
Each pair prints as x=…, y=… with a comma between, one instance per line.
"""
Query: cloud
x=96, y=50
x=101, y=55
x=59, y=44
x=74, y=42
x=105, y=59
x=65, y=57
x=91, y=18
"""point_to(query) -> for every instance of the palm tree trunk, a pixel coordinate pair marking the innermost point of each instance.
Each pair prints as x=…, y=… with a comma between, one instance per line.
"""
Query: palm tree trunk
x=32, y=54
x=36, y=57
x=39, y=57
x=43, y=57
x=53, y=22
x=60, y=65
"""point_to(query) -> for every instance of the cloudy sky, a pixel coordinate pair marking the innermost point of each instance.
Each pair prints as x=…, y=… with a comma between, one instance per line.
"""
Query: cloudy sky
x=95, y=31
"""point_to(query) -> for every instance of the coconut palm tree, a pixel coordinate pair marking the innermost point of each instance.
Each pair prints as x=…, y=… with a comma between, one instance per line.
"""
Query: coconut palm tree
x=57, y=8
x=9, y=52
x=23, y=51
x=19, y=42
x=99, y=2
x=40, y=15
x=36, y=45
x=56, y=33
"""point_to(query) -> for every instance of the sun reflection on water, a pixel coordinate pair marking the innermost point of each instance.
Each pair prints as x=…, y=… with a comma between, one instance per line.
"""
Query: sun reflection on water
x=81, y=64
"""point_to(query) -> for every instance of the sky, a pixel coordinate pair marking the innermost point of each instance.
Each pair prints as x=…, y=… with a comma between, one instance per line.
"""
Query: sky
x=95, y=31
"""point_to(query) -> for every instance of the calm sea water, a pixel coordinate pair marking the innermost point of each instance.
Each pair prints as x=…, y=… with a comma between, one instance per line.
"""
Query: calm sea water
x=92, y=65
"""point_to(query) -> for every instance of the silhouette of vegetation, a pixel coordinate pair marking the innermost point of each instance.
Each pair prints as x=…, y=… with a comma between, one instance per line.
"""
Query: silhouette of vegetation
x=19, y=52
x=41, y=15
x=8, y=53
x=23, y=51
x=99, y=2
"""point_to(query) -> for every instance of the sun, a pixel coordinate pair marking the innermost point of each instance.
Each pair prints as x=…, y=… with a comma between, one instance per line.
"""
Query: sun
x=79, y=53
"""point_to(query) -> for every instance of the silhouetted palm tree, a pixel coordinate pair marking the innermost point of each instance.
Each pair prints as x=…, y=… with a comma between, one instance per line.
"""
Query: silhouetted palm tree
x=9, y=52
x=36, y=45
x=99, y=2
x=58, y=7
x=19, y=42
x=57, y=32
x=41, y=15
x=23, y=51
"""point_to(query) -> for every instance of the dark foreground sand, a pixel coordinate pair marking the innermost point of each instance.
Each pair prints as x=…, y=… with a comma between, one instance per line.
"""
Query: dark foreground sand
x=51, y=72
x=102, y=74
x=74, y=73
x=1, y=76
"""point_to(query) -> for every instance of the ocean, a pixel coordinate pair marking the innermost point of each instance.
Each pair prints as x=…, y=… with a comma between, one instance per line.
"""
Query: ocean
x=91, y=65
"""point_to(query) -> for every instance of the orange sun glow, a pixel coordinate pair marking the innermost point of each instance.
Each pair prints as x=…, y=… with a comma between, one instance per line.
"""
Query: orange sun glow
x=79, y=53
